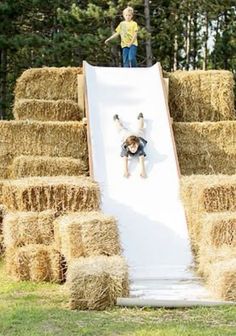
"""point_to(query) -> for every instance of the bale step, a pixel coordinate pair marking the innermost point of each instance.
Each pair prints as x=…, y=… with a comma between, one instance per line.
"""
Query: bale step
x=86, y=234
x=96, y=282
x=23, y=228
x=63, y=193
x=47, y=110
x=27, y=166
x=35, y=262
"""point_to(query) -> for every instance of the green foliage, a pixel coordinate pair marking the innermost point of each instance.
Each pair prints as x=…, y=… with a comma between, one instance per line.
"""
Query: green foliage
x=35, y=309
x=36, y=33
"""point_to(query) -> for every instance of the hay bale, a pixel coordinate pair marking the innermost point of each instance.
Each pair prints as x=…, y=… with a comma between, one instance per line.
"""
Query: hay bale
x=211, y=193
x=208, y=255
x=57, y=139
x=201, y=95
x=219, y=229
x=62, y=193
x=5, y=161
x=206, y=193
x=23, y=228
x=96, y=282
x=206, y=148
x=47, y=110
x=26, y=166
x=2, y=214
x=222, y=280
x=34, y=262
x=48, y=83
x=1, y=186
x=86, y=234
x=43, y=138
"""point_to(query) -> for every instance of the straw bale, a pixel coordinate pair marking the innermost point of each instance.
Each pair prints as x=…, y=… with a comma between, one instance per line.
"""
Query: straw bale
x=206, y=193
x=95, y=282
x=207, y=147
x=222, y=280
x=202, y=95
x=22, y=228
x=25, y=166
x=63, y=139
x=48, y=83
x=219, y=229
x=62, y=193
x=47, y=110
x=87, y=234
x=1, y=186
x=34, y=262
x=2, y=246
x=208, y=255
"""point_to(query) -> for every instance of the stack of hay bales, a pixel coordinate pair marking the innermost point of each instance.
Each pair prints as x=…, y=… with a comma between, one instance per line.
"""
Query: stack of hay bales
x=48, y=125
x=28, y=228
x=43, y=87
x=45, y=141
x=53, y=222
x=97, y=274
x=202, y=106
x=210, y=204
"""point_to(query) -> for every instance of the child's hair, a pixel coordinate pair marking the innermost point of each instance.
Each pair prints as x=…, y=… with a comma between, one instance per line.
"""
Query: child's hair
x=128, y=10
x=132, y=140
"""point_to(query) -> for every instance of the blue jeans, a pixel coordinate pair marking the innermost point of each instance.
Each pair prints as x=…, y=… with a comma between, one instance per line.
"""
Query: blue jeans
x=129, y=56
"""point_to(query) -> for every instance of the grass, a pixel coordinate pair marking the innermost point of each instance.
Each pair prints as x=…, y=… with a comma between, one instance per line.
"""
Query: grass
x=31, y=309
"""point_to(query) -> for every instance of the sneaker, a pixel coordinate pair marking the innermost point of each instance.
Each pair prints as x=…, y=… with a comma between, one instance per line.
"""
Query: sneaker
x=115, y=117
x=140, y=115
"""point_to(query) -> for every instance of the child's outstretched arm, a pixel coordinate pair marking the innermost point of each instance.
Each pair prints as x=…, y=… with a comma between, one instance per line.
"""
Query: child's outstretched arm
x=126, y=169
x=111, y=37
x=142, y=166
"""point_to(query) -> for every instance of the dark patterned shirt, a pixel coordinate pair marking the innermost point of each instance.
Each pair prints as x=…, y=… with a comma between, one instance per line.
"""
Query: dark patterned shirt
x=139, y=152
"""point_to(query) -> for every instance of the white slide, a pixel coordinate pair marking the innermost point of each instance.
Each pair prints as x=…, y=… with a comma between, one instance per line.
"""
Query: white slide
x=150, y=215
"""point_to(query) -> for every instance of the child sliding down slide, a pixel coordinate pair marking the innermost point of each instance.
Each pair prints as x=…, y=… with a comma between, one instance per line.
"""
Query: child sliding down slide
x=133, y=144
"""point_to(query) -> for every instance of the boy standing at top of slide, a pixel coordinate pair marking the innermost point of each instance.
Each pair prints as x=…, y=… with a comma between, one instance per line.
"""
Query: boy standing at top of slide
x=127, y=30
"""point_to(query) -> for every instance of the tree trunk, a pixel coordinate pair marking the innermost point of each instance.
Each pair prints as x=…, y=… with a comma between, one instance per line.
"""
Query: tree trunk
x=175, y=61
x=187, y=43
x=205, y=52
x=195, y=44
x=148, y=28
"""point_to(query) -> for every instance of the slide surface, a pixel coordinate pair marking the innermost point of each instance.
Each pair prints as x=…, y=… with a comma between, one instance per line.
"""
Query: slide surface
x=150, y=215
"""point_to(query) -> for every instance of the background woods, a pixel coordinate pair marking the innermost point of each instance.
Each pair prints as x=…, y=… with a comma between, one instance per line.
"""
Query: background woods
x=187, y=34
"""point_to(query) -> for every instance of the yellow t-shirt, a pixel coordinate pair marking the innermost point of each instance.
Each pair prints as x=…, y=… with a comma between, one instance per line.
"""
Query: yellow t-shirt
x=127, y=30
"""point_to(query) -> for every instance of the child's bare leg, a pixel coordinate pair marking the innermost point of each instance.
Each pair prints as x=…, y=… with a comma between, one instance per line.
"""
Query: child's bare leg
x=141, y=125
x=142, y=166
x=126, y=169
x=118, y=123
